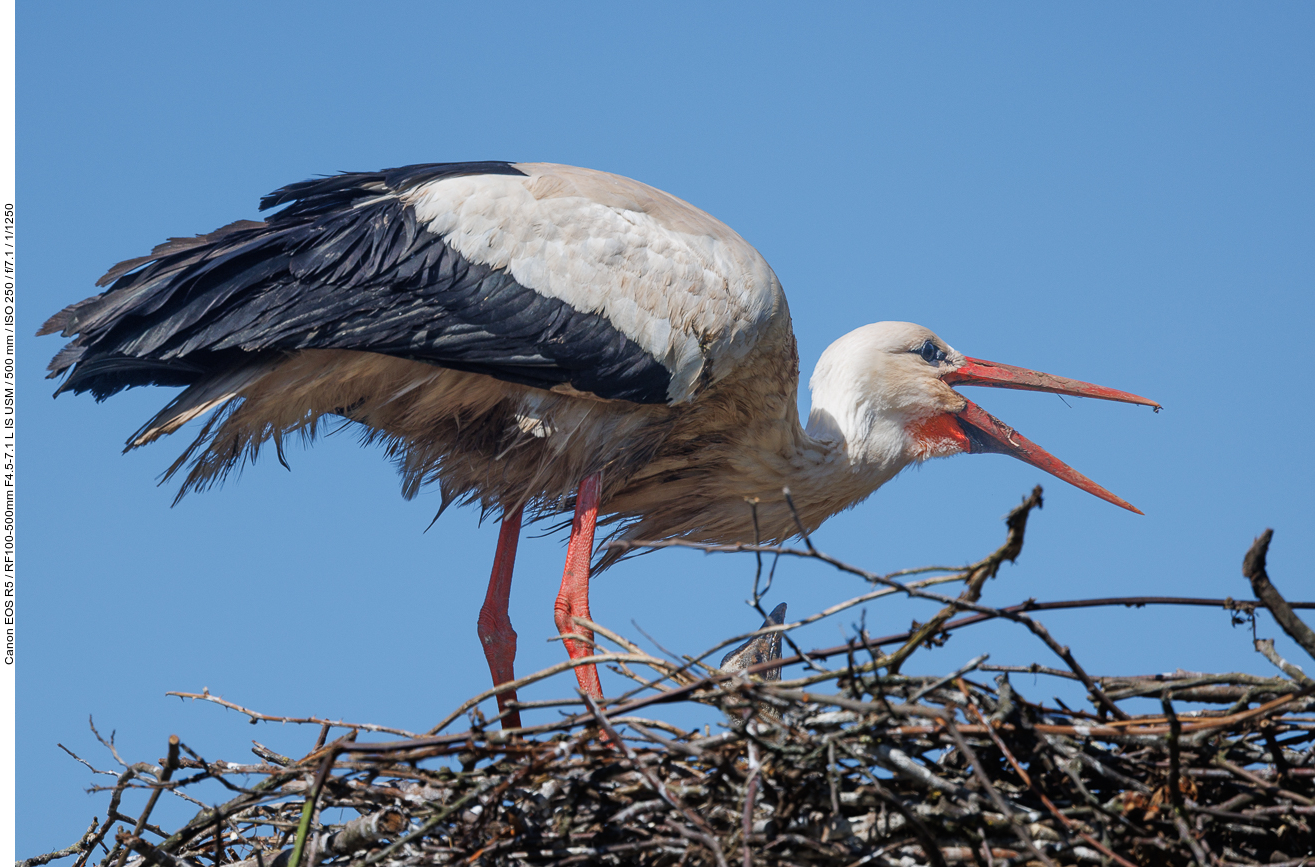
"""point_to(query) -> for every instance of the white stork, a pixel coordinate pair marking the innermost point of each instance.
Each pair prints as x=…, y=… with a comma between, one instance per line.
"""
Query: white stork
x=535, y=336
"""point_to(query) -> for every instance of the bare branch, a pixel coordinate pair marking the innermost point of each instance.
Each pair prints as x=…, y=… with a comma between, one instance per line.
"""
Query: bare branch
x=1253, y=567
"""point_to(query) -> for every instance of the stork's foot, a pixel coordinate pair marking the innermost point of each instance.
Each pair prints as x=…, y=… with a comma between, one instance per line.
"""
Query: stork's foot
x=495, y=633
x=573, y=599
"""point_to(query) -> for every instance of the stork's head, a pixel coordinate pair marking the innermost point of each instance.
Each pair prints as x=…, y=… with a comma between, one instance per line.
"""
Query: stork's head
x=885, y=390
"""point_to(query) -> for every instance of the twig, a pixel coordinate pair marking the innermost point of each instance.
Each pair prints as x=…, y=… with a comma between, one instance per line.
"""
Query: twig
x=567, y=665
x=750, y=797
x=993, y=793
x=84, y=843
x=120, y=784
x=152, y=854
x=970, y=665
x=78, y=758
x=1027, y=781
x=1265, y=647
x=257, y=716
x=704, y=833
x=1171, y=738
x=1253, y=567
x=978, y=574
x=170, y=764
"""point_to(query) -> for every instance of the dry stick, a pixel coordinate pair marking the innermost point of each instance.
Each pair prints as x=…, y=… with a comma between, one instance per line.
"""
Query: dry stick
x=81, y=760
x=1227, y=603
x=624, y=643
x=1185, y=833
x=750, y=796
x=978, y=573
x=108, y=744
x=639, y=721
x=996, y=797
x=120, y=784
x=1171, y=738
x=152, y=854
x=435, y=820
x=541, y=675
x=704, y=833
x=1175, y=777
x=83, y=843
x=766, y=630
x=1265, y=647
x=170, y=764
x=1267, y=785
x=970, y=665
x=429, y=825
x=926, y=839
x=359, y=833
x=256, y=716
x=808, y=542
x=679, y=674
x=1032, y=605
x=674, y=746
x=1253, y=567
x=213, y=772
x=1027, y=780
x=1174, y=782
x=672, y=671
x=1062, y=651
x=267, y=788
x=990, y=614
x=154, y=829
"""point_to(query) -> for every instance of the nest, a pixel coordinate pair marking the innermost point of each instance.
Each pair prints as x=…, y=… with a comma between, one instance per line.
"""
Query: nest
x=852, y=765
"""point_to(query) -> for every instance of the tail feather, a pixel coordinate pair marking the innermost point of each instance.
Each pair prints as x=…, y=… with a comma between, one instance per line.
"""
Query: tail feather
x=198, y=400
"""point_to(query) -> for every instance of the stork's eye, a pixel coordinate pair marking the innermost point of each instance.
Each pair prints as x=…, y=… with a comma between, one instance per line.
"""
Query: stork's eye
x=930, y=352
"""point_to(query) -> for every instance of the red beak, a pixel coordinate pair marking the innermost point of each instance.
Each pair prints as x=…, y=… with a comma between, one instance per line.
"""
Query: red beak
x=986, y=433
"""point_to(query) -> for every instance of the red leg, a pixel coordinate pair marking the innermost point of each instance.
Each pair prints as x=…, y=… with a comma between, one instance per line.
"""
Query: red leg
x=573, y=600
x=495, y=632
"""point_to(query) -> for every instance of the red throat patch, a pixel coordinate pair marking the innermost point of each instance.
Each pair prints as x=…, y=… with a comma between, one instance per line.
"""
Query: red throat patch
x=937, y=437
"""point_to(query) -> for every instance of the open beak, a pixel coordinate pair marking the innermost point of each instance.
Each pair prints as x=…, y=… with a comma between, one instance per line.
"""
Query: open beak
x=986, y=433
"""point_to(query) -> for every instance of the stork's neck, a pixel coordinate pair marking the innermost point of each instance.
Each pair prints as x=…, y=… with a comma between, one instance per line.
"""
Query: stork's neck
x=864, y=442
x=845, y=453
x=856, y=440
x=828, y=467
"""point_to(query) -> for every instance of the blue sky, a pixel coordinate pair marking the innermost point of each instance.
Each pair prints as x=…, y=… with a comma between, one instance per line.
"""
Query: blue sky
x=1120, y=193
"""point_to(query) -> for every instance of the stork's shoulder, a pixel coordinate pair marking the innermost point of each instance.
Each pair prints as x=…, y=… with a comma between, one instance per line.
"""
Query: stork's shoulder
x=672, y=278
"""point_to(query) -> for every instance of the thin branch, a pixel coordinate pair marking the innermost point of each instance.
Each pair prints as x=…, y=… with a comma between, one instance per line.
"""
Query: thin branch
x=703, y=833
x=84, y=843
x=978, y=574
x=1253, y=567
x=170, y=765
x=257, y=716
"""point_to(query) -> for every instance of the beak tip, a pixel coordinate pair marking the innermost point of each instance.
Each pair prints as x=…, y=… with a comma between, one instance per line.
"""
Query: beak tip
x=1119, y=501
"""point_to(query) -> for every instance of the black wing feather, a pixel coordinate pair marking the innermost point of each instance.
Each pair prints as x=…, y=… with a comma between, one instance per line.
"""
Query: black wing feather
x=344, y=266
